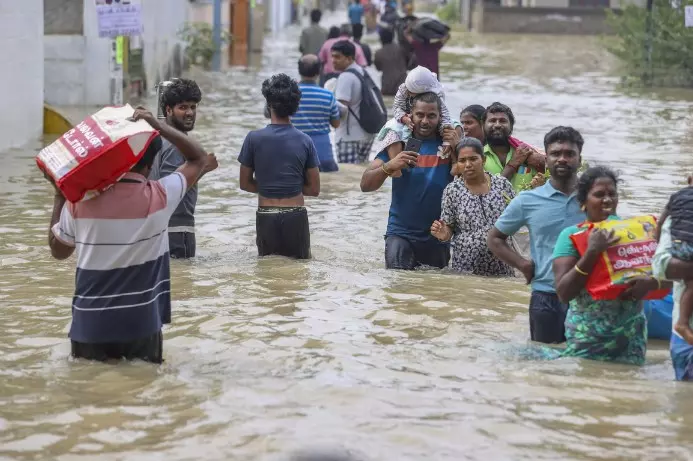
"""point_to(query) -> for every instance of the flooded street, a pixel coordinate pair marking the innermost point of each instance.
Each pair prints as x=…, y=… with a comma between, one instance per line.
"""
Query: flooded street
x=266, y=356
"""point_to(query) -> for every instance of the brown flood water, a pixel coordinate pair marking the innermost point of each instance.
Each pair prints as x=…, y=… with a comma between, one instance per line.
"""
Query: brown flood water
x=265, y=356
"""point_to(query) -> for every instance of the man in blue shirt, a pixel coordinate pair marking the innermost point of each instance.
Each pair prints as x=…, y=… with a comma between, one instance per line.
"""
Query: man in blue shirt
x=317, y=111
x=355, y=13
x=417, y=193
x=546, y=211
x=279, y=163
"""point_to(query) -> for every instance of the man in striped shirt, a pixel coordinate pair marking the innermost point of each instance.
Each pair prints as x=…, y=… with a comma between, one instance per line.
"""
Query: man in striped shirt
x=123, y=284
x=317, y=111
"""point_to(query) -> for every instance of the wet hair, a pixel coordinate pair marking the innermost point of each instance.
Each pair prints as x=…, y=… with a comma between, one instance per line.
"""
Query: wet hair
x=345, y=29
x=428, y=98
x=470, y=142
x=475, y=110
x=333, y=32
x=589, y=177
x=496, y=108
x=564, y=134
x=181, y=90
x=386, y=36
x=147, y=160
x=282, y=95
x=309, y=66
x=345, y=47
x=315, y=15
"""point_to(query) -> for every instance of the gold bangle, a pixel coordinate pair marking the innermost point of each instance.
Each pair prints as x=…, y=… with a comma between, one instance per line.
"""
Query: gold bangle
x=382, y=167
x=659, y=283
x=580, y=271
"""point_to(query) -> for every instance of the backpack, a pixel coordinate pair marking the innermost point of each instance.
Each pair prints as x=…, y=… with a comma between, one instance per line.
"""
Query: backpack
x=372, y=108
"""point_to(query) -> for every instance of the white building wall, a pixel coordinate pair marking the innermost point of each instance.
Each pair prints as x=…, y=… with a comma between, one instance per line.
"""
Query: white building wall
x=78, y=66
x=279, y=14
x=21, y=37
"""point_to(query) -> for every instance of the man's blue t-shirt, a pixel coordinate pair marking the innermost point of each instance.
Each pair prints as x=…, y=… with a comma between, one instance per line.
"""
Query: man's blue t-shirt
x=417, y=194
x=280, y=156
x=355, y=13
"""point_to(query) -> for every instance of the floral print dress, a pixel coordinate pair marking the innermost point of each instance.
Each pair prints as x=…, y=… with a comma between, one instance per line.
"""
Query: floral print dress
x=610, y=331
x=471, y=217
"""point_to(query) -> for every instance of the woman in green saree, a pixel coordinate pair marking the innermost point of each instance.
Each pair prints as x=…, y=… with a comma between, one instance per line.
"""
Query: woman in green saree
x=613, y=330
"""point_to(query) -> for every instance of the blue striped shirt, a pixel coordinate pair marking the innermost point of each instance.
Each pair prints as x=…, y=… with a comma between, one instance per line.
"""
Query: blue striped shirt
x=317, y=108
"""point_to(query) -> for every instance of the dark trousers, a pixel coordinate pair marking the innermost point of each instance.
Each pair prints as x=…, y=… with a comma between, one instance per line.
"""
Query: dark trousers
x=404, y=254
x=283, y=231
x=181, y=245
x=547, y=318
x=149, y=349
x=357, y=30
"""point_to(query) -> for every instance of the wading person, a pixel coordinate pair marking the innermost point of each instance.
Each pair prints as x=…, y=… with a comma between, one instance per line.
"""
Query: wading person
x=545, y=211
x=313, y=36
x=391, y=60
x=317, y=111
x=426, y=51
x=606, y=330
x=179, y=104
x=417, y=193
x=471, y=205
x=352, y=141
x=666, y=266
x=325, y=54
x=122, y=287
x=519, y=164
x=279, y=163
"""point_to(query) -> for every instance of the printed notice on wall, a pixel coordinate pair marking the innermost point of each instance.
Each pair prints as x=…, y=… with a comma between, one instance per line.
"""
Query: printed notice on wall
x=689, y=15
x=119, y=17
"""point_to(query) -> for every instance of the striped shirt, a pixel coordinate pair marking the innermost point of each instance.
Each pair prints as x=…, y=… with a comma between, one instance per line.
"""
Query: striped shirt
x=123, y=283
x=317, y=109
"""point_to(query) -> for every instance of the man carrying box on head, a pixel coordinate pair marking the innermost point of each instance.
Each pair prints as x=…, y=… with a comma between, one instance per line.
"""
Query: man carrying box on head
x=122, y=286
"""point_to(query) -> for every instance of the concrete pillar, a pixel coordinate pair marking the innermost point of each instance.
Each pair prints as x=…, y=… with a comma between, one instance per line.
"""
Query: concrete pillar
x=21, y=35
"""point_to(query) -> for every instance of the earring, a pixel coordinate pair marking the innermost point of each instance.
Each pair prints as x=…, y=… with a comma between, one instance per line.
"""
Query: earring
x=583, y=208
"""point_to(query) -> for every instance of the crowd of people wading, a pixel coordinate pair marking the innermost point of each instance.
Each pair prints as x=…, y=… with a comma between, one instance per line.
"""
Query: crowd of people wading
x=463, y=187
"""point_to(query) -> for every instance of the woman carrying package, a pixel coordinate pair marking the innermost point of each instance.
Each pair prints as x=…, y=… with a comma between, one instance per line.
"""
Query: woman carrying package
x=612, y=327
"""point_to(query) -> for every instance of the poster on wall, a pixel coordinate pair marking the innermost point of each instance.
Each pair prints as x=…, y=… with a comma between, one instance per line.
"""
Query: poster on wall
x=119, y=17
x=688, y=14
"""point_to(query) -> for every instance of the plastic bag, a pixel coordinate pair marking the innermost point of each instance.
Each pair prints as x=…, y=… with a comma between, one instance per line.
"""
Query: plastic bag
x=631, y=256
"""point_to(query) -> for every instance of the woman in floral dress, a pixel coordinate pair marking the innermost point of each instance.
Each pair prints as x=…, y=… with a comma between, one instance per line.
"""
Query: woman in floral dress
x=471, y=205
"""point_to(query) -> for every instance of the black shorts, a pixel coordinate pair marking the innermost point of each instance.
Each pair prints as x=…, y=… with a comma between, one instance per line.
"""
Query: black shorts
x=283, y=231
x=404, y=254
x=149, y=349
x=547, y=318
x=181, y=245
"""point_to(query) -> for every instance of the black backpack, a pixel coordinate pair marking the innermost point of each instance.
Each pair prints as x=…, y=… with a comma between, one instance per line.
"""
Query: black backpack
x=372, y=108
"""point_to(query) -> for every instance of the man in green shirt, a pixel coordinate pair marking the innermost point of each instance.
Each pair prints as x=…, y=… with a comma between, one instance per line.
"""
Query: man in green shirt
x=501, y=155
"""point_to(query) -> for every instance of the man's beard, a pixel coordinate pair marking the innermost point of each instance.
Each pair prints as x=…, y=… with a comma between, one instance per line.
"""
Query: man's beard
x=498, y=138
x=180, y=125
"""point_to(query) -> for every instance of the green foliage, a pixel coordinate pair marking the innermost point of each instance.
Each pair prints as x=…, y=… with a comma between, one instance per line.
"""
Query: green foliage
x=450, y=12
x=199, y=40
x=672, y=44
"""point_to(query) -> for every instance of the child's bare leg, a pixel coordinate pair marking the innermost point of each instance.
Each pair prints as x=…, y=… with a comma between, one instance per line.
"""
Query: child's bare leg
x=682, y=326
